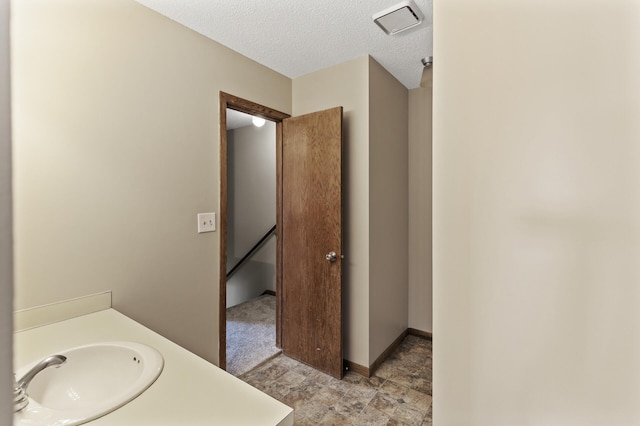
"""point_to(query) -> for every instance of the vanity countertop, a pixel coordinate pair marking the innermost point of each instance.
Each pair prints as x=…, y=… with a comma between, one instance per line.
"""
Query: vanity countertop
x=190, y=391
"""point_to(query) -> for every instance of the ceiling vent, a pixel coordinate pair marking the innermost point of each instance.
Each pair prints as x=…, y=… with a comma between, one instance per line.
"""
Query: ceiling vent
x=398, y=18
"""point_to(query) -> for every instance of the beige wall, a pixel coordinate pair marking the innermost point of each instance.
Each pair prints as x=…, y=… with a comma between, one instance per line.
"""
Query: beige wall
x=251, y=203
x=347, y=85
x=536, y=212
x=251, y=210
x=375, y=185
x=420, y=299
x=6, y=255
x=255, y=276
x=116, y=130
x=388, y=209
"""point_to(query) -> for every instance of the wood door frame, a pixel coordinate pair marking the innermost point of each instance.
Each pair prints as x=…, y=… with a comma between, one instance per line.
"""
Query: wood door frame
x=252, y=108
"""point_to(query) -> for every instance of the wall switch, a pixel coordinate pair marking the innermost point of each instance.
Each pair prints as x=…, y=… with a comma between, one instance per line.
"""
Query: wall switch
x=206, y=222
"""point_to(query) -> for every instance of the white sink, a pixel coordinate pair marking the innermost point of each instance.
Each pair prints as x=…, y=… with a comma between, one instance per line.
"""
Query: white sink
x=95, y=380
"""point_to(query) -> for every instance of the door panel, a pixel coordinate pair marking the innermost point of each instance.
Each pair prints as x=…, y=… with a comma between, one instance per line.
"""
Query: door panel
x=312, y=228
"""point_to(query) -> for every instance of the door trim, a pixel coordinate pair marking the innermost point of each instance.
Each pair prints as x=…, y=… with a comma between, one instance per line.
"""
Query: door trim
x=252, y=108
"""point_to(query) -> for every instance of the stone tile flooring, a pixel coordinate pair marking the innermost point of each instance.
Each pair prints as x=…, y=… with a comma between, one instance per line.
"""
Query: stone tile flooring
x=399, y=392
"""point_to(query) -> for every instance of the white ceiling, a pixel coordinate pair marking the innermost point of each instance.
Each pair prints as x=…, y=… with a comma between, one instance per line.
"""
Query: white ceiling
x=237, y=119
x=297, y=37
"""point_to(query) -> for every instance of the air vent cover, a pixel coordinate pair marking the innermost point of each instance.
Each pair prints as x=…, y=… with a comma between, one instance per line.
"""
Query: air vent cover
x=398, y=18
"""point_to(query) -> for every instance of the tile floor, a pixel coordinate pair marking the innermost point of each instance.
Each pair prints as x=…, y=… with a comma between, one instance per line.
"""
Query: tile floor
x=399, y=392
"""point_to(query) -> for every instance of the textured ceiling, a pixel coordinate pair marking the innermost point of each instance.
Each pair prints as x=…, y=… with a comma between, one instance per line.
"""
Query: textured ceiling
x=297, y=37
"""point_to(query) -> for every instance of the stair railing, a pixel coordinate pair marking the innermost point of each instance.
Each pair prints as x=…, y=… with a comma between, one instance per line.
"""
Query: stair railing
x=251, y=252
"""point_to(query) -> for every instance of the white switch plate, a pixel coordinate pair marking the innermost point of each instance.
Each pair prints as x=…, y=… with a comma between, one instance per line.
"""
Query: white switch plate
x=206, y=222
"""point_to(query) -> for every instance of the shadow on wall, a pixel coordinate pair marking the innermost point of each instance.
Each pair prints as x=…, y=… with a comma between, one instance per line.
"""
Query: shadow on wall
x=255, y=277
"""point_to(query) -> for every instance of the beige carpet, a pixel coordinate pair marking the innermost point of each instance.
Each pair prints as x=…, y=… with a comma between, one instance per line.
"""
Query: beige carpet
x=251, y=334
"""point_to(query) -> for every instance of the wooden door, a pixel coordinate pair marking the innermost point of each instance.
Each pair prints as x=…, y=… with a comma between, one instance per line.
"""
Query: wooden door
x=311, y=231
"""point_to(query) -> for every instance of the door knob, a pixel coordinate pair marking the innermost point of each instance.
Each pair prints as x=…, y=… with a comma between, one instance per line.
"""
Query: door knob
x=331, y=256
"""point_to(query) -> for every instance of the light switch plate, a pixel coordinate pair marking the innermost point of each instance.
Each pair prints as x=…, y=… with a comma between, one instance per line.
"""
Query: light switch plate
x=206, y=222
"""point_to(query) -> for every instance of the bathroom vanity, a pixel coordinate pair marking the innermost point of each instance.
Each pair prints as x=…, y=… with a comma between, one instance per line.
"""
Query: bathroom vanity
x=189, y=391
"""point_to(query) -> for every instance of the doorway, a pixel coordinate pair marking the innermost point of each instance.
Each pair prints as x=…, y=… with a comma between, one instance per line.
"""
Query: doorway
x=236, y=251
x=308, y=233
